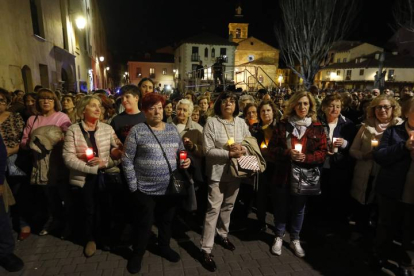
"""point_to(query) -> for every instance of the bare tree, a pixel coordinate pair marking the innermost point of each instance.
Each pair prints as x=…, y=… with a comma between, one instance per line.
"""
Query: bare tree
x=403, y=12
x=308, y=30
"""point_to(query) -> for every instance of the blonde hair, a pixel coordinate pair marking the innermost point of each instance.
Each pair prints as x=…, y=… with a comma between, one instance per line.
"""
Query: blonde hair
x=83, y=102
x=290, y=107
x=408, y=106
x=396, y=108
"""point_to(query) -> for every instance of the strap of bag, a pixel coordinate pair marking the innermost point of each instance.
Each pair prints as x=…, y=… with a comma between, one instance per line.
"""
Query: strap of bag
x=86, y=136
x=162, y=149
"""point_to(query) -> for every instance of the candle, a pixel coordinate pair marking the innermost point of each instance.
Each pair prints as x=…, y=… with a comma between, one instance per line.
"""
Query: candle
x=89, y=153
x=334, y=149
x=183, y=157
x=298, y=147
x=230, y=141
x=374, y=143
x=263, y=145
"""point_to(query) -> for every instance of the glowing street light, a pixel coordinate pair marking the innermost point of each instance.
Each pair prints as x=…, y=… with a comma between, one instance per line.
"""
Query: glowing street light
x=107, y=68
x=101, y=58
x=80, y=22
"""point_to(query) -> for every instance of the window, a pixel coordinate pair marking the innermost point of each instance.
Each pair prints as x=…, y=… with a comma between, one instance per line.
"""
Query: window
x=194, y=50
x=250, y=58
x=152, y=72
x=194, y=67
x=164, y=71
x=206, y=52
x=194, y=54
x=179, y=59
x=338, y=60
x=37, y=18
x=338, y=72
x=213, y=53
x=361, y=72
x=139, y=72
x=344, y=60
x=391, y=75
x=44, y=75
x=348, y=74
x=260, y=78
x=238, y=33
x=223, y=51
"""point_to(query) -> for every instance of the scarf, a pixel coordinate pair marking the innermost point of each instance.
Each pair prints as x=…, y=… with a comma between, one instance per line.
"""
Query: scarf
x=299, y=125
x=380, y=128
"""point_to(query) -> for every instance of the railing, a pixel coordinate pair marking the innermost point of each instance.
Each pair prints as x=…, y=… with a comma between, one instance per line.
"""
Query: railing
x=195, y=57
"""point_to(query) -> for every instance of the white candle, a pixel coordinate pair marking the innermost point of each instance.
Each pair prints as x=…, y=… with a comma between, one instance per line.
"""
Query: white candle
x=334, y=149
x=263, y=145
x=230, y=141
x=298, y=147
x=374, y=143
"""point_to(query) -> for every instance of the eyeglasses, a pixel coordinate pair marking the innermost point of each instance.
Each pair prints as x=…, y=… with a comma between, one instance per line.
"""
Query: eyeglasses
x=228, y=101
x=46, y=99
x=386, y=107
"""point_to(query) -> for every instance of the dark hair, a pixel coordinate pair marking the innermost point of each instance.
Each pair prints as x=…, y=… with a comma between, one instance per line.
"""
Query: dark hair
x=224, y=95
x=276, y=114
x=151, y=99
x=129, y=89
x=193, y=97
x=31, y=94
x=5, y=94
x=100, y=91
x=17, y=92
x=145, y=79
x=331, y=98
x=57, y=104
x=108, y=105
x=37, y=88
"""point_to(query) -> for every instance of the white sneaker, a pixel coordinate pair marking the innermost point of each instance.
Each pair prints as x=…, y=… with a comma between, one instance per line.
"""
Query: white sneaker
x=295, y=245
x=277, y=246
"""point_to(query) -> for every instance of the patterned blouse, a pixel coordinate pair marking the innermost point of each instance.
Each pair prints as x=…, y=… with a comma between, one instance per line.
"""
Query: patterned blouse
x=11, y=130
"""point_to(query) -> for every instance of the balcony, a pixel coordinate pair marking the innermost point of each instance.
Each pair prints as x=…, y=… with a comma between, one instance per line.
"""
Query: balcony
x=224, y=58
x=152, y=76
x=195, y=57
x=348, y=78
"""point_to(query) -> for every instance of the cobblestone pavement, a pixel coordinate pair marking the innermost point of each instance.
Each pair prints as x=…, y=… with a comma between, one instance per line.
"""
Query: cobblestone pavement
x=326, y=254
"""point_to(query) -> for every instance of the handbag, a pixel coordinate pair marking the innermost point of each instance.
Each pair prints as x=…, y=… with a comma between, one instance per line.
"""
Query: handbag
x=304, y=180
x=179, y=180
x=12, y=168
x=23, y=159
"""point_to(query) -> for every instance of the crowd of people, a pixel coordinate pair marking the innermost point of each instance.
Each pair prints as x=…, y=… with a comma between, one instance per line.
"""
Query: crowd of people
x=109, y=159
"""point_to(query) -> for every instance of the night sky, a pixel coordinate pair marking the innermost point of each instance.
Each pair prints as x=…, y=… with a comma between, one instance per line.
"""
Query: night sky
x=135, y=26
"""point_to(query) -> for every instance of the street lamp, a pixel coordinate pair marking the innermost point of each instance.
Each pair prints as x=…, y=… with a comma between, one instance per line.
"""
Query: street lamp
x=101, y=58
x=80, y=22
x=107, y=68
x=280, y=79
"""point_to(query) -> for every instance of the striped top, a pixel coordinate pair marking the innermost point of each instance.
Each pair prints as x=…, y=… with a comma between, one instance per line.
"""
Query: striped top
x=144, y=165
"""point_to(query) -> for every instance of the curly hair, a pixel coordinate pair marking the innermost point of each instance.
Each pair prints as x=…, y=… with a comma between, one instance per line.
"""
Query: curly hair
x=396, y=108
x=290, y=108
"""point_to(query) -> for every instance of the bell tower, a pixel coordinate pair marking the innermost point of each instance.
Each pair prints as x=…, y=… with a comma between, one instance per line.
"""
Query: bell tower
x=238, y=30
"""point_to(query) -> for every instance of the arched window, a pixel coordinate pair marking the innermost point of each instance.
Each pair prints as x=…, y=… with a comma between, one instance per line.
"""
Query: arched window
x=206, y=52
x=213, y=53
x=27, y=79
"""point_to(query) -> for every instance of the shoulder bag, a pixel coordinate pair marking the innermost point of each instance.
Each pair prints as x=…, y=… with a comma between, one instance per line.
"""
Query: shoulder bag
x=303, y=180
x=179, y=181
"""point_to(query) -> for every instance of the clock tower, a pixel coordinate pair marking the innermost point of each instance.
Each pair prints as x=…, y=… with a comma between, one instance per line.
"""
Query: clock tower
x=238, y=30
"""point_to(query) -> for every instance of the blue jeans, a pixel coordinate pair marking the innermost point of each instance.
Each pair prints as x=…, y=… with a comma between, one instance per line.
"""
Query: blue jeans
x=286, y=205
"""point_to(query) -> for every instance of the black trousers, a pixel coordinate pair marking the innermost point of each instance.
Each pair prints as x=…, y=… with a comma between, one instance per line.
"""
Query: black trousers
x=97, y=211
x=6, y=234
x=394, y=214
x=147, y=209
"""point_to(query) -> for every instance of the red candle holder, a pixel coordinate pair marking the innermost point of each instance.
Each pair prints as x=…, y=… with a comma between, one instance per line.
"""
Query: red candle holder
x=89, y=153
x=183, y=157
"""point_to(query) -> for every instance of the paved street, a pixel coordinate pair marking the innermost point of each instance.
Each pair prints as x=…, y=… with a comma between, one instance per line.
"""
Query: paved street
x=327, y=254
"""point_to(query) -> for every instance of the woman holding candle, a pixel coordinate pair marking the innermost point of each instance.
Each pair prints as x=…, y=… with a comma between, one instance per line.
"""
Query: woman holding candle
x=395, y=192
x=298, y=126
x=148, y=176
x=268, y=117
x=223, y=135
x=340, y=132
x=89, y=146
x=383, y=112
x=56, y=190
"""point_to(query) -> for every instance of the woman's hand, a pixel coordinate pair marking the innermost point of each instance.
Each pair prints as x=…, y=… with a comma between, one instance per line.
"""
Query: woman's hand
x=96, y=161
x=188, y=144
x=116, y=153
x=236, y=151
x=297, y=156
x=186, y=164
x=338, y=142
